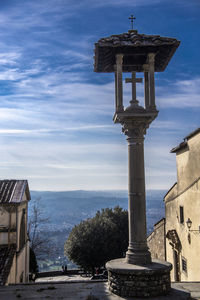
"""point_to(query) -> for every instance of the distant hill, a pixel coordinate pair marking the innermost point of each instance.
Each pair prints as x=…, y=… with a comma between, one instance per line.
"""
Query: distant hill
x=71, y=207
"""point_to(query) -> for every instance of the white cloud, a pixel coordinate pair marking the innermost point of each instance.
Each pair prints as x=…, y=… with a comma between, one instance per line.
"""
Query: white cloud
x=135, y=3
x=180, y=94
x=9, y=58
x=77, y=55
x=55, y=122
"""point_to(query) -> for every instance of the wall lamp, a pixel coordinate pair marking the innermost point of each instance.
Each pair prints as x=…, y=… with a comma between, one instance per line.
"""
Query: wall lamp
x=189, y=225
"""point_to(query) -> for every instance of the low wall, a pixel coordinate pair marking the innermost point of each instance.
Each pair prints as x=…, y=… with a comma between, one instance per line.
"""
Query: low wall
x=58, y=273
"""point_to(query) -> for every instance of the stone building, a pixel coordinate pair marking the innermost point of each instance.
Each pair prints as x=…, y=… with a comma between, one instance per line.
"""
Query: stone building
x=182, y=208
x=156, y=241
x=181, y=230
x=14, y=243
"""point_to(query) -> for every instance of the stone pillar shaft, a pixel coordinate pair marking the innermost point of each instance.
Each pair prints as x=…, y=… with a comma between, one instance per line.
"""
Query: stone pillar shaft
x=146, y=89
x=151, y=58
x=137, y=250
x=116, y=101
x=119, y=83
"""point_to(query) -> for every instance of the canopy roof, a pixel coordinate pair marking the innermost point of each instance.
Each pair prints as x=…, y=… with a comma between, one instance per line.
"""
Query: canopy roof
x=135, y=47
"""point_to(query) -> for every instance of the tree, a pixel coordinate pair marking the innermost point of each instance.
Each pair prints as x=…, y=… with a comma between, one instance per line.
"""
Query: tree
x=40, y=243
x=33, y=266
x=97, y=240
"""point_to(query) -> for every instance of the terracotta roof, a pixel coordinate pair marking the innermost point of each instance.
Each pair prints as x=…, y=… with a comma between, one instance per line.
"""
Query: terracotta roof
x=184, y=144
x=134, y=47
x=11, y=191
x=169, y=190
x=179, y=147
x=193, y=133
x=6, y=259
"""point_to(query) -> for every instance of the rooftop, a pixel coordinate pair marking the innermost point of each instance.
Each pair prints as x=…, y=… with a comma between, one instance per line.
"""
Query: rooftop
x=184, y=143
x=12, y=191
x=134, y=47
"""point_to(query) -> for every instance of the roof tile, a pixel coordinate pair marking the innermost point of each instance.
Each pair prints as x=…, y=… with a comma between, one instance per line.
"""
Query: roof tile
x=6, y=259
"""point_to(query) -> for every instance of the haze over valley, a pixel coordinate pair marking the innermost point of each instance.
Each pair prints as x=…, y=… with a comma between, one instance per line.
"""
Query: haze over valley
x=66, y=209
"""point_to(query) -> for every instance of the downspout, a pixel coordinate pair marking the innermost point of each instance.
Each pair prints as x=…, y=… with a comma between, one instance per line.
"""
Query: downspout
x=26, y=211
x=9, y=226
x=165, y=246
x=16, y=242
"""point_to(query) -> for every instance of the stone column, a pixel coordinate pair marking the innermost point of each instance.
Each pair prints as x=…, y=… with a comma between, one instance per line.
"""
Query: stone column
x=146, y=89
x=137, y=250
x=151, y=60
x=119, y=83
x=116, y=96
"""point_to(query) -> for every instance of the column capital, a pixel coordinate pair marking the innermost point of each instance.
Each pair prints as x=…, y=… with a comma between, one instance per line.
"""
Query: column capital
x=119, y=59
x=146, y=68
x=151, y=57
x=135, y=129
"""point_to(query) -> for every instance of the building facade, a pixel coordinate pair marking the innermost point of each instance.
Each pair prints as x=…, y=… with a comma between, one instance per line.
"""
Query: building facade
x=157, y=241
x=14, y=242
x=182, y=212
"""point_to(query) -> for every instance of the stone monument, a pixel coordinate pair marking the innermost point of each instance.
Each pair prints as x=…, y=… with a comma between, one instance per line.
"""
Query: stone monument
x=136, y=275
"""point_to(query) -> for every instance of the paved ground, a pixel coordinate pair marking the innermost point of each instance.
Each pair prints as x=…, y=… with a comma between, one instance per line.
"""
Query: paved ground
x=85, y=290
x=63, y=278
x=192, y=287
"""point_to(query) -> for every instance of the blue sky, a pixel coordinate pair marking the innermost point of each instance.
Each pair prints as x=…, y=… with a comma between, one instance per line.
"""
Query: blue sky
x=56, y=127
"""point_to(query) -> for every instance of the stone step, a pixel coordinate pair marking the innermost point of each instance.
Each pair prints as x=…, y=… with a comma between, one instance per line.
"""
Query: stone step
x=195, y=295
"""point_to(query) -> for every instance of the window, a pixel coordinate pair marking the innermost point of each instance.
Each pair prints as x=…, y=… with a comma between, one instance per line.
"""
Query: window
x=184, y=265
x=181, y=215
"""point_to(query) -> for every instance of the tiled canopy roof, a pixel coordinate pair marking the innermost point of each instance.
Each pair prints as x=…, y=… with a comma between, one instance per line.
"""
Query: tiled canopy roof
x=11, y=191
x=134, y=47
x=6, y=259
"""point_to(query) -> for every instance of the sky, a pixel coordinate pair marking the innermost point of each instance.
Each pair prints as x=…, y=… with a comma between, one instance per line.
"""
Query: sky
x=56, y=127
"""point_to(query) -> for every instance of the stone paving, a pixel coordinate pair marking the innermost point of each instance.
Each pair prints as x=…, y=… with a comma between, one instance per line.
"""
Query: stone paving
x=62, y=278
x=81, y=290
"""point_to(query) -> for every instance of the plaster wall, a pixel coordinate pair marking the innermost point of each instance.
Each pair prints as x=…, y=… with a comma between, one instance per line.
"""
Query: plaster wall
x=27, y=257
x=13, y=219
x=190, y=240
x=7, y=238
x=8, y=216
x=3, y=238
x=4, y=217
x=7, y=221
x=12, y=239
x=12, y=276
x=23, y=254
x=19, y=218
x=187, y=161
x=22, y=267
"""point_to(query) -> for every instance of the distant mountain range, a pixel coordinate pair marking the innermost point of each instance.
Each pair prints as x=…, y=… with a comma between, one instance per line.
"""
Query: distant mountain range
x=66, y=209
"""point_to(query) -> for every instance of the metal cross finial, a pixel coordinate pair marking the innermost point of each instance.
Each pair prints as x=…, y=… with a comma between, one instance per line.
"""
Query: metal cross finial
x=132, y=18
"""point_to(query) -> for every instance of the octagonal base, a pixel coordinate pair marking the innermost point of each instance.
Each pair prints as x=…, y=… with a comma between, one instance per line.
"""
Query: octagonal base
x=129, y=280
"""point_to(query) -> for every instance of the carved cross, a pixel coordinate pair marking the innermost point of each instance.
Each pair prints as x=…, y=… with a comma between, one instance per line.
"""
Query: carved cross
x=133, y=80
x=132, y=18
